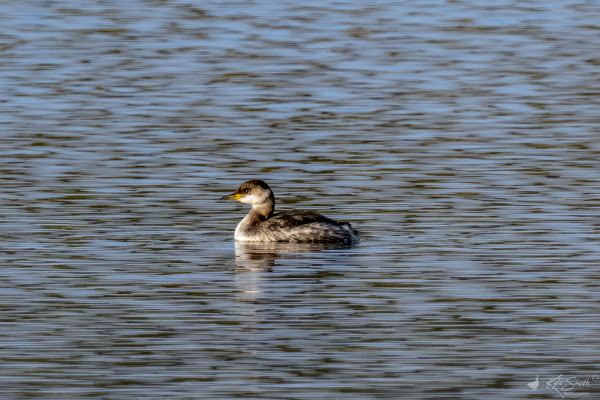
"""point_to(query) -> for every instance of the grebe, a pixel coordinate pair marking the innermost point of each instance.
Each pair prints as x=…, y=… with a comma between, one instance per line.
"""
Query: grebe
x=261, y=225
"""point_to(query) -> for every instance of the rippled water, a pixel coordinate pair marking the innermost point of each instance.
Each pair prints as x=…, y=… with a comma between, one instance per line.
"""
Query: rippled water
x=461, y=138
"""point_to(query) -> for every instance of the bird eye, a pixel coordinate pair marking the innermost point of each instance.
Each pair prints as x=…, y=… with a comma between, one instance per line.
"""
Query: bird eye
x=245, y=190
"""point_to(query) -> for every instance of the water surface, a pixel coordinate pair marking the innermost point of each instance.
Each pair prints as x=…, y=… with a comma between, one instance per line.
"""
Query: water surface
x=460, y=138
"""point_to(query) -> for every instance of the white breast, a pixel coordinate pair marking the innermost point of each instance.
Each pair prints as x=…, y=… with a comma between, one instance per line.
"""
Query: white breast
x=239, y=230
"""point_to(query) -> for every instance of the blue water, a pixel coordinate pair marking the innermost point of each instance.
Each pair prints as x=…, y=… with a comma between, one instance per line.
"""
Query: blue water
x=460, y=138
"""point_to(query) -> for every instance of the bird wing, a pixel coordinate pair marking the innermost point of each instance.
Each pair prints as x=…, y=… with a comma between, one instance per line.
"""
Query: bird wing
x=290, y=219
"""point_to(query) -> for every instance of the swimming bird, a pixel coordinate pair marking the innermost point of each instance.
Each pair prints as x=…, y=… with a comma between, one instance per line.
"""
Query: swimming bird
x=263, y=225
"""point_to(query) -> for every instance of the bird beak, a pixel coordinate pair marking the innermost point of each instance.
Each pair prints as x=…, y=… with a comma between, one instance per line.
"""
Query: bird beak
x=233, y=196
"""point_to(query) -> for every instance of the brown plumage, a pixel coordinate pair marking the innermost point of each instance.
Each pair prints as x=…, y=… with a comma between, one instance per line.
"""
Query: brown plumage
x=262, y=225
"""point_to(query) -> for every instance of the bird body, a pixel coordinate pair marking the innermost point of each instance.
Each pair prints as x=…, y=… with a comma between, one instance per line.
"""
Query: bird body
x=263, y=225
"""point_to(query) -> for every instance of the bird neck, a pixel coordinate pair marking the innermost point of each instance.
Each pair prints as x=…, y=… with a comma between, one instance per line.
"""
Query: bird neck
x=264, y=210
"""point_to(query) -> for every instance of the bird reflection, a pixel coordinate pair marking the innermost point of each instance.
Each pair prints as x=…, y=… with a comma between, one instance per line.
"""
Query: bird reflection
x=254, y=260
x=262, y=255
